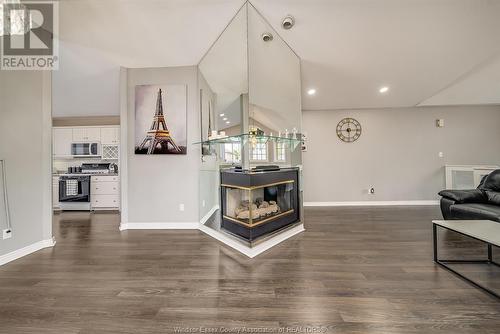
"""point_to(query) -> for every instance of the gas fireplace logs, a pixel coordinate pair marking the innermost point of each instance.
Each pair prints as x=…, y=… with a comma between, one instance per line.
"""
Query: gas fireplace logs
x=259, y=209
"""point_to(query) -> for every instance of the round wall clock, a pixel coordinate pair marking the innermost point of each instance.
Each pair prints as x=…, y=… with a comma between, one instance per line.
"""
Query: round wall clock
x=348, y=130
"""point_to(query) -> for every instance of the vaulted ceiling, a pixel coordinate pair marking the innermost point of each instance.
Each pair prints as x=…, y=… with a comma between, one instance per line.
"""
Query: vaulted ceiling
x=428, y=52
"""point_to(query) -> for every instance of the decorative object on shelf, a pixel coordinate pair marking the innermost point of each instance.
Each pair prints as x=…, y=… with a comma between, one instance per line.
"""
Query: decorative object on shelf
x=255, y=131
x=303, y=142
x=160, y=139
x=348, y=130
x=290, y=143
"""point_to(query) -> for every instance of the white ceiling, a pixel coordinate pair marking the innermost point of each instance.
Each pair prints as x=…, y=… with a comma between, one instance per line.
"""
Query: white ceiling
x=350, y=48
x=426, y=51
x=479, y=86
x=146, y=33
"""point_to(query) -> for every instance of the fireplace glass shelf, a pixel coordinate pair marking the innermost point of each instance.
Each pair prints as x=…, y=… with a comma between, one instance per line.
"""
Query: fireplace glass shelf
x=245, y=138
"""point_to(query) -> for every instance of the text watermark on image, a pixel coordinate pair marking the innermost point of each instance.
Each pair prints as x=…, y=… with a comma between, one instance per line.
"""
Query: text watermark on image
x=252, y=330
x=29, y=32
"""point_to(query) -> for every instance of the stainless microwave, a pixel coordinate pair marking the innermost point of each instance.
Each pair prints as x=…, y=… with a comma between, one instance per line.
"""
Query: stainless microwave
x=85, y=149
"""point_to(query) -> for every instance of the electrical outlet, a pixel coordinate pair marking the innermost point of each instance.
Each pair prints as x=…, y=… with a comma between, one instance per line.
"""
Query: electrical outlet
x=181, y=207
x=371, y=191
x=7, y=234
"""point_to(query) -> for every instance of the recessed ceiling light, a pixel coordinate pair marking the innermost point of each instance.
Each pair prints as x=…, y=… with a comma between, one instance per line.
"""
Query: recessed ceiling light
x=221, y=115
x=384, y=89
x=227, y=122
x=311, y=91
x=225, y=119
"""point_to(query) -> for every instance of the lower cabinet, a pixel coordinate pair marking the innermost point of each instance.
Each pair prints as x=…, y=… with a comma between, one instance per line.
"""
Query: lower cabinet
x=105, y=192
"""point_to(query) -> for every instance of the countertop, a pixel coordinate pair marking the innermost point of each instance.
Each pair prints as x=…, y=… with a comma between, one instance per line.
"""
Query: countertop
x=83, y=174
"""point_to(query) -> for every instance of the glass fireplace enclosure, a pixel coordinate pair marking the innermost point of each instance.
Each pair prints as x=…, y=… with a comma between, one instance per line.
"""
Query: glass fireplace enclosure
x=250, y=116
x=255, y=204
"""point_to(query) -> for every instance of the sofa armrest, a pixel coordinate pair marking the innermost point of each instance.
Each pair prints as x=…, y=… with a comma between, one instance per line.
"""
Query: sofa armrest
x=465, y=196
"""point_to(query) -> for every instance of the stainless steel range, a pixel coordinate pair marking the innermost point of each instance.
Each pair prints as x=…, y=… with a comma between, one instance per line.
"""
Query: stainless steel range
x=74, y=192
x=74, y=187
x=100, y=168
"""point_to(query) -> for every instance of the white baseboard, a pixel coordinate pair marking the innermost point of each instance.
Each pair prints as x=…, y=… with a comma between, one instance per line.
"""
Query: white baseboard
x=252, y=252
x=209, y=214
x=373, y=203
x=159, y=226
x=14, y=255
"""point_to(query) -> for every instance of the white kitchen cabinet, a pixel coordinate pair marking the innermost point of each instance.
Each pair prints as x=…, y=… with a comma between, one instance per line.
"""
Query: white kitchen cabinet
x=110, y=135
x=105, y=202
x=84, y=134
x=93, y=134
x=55, y=192
x=105, y=192
x=104, y=188
x=105, y=178
x=61, y=141
x=79, y=134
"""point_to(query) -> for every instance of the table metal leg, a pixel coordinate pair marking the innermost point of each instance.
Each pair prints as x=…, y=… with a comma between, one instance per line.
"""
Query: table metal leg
x=434, y=240
x=444, y=265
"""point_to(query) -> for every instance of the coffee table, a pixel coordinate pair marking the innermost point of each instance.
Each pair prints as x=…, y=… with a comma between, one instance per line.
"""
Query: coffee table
x=486, y=231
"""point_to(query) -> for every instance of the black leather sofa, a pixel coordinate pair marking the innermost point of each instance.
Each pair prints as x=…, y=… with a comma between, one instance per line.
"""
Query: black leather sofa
x=480, y=203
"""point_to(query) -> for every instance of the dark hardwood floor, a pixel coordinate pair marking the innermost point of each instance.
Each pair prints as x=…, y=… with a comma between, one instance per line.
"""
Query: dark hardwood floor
x=355, y=270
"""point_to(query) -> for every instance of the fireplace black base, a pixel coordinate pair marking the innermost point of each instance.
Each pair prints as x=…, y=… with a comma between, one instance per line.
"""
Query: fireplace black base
x=255, y=204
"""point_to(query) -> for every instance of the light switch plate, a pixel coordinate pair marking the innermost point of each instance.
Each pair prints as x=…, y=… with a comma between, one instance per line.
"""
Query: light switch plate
x=181, y=207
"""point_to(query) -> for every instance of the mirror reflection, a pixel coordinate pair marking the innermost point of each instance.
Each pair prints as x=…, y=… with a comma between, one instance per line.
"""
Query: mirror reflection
x=224, y=80
x=274, y=79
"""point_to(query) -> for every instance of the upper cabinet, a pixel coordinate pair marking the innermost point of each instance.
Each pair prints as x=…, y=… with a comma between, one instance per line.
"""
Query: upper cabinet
x=61, y=141
x=63, y=137
x=86, y=134
x=110, y=136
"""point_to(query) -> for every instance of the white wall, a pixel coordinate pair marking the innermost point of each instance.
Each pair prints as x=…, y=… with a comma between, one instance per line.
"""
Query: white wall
x=25, y=144
x=158, y=184
x=86, y=84
x=397, y=152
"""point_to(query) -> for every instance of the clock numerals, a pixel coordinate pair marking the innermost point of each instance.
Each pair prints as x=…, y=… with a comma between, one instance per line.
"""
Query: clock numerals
x=348, y=130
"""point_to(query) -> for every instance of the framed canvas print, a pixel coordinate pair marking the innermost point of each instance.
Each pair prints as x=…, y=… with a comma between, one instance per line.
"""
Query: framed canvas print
x=160, y=119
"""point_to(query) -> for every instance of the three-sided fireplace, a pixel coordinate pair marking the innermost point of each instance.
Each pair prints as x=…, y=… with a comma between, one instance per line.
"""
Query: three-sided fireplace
x=256, y=203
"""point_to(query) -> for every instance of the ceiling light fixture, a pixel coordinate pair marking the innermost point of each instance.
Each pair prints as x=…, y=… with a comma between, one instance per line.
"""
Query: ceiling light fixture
x=384, y=89
x=227, y=122
x=224, y=119
x=288, y=22
x=221, y=115
x=311, y=91
x=267, y=37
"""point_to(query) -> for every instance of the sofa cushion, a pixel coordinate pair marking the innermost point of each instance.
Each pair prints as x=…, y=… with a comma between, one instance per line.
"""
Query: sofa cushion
x=476, y=211
x=492, y=181
x=465, y=196
x=493, y=197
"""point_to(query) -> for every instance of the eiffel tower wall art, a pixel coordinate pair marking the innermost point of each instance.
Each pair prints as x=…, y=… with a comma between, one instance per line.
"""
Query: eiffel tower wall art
x=160, y=119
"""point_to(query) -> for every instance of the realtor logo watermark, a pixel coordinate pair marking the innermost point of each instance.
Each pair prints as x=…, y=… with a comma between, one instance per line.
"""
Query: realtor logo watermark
x=29, y=31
